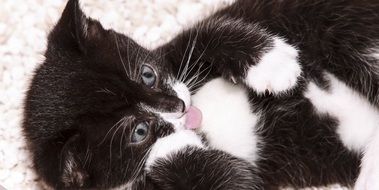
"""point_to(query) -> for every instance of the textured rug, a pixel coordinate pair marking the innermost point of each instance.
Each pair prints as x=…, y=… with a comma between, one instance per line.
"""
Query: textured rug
x=23, y=30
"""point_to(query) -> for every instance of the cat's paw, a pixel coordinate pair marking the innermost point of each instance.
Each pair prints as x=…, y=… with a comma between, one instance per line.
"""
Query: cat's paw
x=277, y=71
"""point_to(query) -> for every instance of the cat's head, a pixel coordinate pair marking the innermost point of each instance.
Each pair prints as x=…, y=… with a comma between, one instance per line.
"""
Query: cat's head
x=98, y=104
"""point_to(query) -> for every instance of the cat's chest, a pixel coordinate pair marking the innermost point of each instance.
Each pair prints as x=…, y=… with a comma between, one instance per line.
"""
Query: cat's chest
x=228, y=122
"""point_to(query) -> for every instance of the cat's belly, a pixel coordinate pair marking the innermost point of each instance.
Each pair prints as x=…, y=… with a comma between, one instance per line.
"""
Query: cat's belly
x=228, y=122
x=357, y=118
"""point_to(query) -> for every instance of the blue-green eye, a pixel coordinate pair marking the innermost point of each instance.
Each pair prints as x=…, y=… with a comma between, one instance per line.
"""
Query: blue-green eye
x=140, y=132
x=148, y=76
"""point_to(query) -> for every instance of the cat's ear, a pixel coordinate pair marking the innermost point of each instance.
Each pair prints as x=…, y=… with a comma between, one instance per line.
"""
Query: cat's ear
x=74, y=30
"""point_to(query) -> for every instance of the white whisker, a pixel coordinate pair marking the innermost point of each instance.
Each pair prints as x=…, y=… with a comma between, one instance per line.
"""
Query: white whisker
x=197, y=61
x=128, y=57
x=185, y=52
x=189, y=58
x=140, y=165
x=136, y=68
x=117, y=123
x=209, y=68
x=111, y=142
x=195, y=76
x=119, y=54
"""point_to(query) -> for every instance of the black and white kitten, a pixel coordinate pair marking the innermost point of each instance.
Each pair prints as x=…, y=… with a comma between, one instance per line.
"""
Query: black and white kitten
x=98, y=104
x=287, y=91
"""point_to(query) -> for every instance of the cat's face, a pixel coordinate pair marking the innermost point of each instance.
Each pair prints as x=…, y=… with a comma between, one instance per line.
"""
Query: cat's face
x=120, y=98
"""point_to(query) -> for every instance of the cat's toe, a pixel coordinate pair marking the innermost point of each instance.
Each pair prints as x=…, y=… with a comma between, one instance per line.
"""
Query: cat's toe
x=277, y=71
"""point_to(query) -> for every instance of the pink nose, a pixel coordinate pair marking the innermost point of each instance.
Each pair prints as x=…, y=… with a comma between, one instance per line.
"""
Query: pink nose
x=193, y=118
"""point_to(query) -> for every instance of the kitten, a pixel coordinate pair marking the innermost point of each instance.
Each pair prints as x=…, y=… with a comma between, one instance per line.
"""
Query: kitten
x=269, y=81
x=98, y=104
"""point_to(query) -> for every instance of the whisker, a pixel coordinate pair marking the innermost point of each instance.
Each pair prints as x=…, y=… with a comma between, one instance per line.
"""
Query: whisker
x=117, y=123
x=125, y=171
x=87, y=156
x=128, y=57
x=201, y=80
x=189, y=57
x=196, y=75
x=121, y=140
x=209, y=68
x=183, y=72
x=135, y=68
x=140, y=165
x=198, y=59
x=119, y=54
x=185, y=52
x=111, y=142
x=106, y=90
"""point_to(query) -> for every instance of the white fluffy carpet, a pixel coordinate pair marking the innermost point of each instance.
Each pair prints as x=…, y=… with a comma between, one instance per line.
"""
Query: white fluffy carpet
x=23, y=28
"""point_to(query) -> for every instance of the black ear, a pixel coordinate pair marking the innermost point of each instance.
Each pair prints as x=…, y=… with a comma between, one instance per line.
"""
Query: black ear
x=74, y=31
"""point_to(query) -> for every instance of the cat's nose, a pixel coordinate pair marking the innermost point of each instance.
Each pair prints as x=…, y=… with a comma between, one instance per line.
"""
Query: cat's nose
x=166, y=103
x=174, y=104
x=182, y=106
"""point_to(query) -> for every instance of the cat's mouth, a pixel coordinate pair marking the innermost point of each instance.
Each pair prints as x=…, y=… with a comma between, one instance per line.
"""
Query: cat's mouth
x=193, y=118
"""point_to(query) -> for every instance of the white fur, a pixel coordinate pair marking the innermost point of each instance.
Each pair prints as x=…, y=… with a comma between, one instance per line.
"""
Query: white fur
x=183, y=93
x=166, y=146
x=178, y=120
x=369, y=173
x=277, y=71
x=228, y=121
x=357, y=118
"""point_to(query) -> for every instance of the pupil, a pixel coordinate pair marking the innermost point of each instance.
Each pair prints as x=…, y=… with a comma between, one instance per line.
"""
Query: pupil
x=140, y=132
x=148, y=75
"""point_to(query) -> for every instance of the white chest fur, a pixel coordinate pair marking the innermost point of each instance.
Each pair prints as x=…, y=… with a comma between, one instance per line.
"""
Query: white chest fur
x=357, y=118
x=228, y=121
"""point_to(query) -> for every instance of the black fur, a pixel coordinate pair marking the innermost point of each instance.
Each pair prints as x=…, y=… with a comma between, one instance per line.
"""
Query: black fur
x=199, y=169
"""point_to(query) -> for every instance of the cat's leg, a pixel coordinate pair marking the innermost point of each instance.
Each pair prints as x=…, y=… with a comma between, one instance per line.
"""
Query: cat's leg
x=369, y=174
x=180, y=161
x=241, y=52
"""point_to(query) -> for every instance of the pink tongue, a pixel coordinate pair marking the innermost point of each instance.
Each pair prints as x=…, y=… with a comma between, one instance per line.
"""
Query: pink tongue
x=194, y=117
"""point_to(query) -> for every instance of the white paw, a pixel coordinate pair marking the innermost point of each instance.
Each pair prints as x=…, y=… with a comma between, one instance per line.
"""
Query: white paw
x=166, y=146
x=277, y=71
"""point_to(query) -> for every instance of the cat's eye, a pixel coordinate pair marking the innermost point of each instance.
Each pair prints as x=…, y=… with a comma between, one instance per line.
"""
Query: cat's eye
x=148, y=76
x=140, y=132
